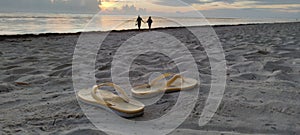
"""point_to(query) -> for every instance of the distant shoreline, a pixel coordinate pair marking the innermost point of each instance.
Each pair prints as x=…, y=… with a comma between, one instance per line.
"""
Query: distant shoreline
x=126, y=30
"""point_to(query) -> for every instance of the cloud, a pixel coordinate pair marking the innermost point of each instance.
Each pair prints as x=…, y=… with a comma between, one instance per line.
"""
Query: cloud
x=179, y=3
x=240, y=8
x=276, y=2
x=233, y=1
x=126, y=10
x=72, y=6
x=249, y=13
x=243, y=5
x=228, y=3
x=235, y=7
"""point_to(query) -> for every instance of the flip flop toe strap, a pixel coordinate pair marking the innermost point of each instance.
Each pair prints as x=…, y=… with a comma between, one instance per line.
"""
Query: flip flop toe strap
x=173, y=79
x=159, y=78
x=105, y=100
x=153, y=82
x=169, y=82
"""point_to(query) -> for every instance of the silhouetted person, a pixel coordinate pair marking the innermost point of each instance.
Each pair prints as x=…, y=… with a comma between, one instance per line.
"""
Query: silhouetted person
x=149, y=21
x=139, y=21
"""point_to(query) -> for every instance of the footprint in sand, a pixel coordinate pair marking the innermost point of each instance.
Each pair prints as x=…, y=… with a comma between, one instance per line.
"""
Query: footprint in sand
x=62, y=71
x=19, y=71
x=32, y=79
x=62, y=66
x=5, y=87
x=277, y=65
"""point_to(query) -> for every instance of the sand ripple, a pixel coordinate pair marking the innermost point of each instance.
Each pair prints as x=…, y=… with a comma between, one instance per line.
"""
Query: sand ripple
x=262, y=94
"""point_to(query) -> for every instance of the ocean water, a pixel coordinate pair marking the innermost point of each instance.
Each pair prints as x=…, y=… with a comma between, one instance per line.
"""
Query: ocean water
x=29, y=23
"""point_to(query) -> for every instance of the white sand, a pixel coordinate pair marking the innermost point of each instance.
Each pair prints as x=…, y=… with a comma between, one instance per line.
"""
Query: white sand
x=262, y=94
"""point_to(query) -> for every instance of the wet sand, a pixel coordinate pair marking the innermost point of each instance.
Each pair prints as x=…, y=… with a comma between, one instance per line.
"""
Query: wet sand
x=262, y=95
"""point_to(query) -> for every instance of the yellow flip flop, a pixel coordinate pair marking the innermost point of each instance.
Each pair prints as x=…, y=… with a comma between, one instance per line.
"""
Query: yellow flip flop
x=156, y=86
x=121, y=105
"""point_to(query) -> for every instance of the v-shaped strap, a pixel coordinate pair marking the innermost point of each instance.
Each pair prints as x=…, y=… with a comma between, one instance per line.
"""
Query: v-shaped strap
x=102, y=99
x=169, y=82
x=159, y=78
x=173, y=79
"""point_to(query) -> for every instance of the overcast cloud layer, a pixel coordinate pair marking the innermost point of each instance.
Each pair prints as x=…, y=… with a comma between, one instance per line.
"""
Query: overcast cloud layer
x=174, y=2
x=214, y=8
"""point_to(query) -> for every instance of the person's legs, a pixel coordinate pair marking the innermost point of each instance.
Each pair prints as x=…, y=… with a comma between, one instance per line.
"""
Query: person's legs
x=139, y=25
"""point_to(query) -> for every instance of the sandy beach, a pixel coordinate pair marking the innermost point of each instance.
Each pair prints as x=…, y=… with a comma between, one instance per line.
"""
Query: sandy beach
x=262, y=94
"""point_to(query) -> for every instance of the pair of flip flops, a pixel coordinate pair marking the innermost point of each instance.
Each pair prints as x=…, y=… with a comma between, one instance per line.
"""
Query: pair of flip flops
x=127, y=107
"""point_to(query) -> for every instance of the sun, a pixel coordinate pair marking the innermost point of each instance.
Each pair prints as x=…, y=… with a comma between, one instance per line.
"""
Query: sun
x=107, y=4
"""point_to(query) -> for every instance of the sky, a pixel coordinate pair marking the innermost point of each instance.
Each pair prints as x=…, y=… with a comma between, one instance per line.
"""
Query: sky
x=209, y=8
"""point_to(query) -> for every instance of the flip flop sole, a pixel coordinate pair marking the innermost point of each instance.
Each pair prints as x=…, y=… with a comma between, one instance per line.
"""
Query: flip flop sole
x=88, y=101
x=146, y=95
x=124, y=115
x=187, y=85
